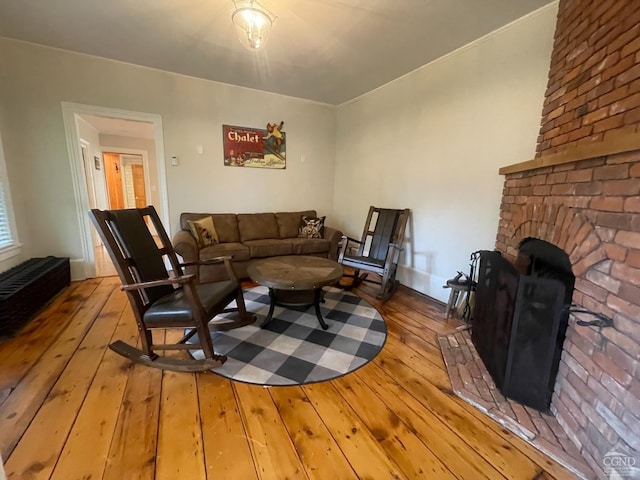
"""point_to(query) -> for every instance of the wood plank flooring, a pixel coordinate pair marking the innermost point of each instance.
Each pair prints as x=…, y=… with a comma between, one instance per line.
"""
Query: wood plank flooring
x=72, y=409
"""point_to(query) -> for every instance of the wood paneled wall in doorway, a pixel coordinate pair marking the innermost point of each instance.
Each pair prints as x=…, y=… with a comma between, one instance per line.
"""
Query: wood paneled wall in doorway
x=113, y=172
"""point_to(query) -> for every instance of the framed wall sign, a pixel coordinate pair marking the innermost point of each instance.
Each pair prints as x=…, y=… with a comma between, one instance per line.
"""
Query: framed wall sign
x=255, y=147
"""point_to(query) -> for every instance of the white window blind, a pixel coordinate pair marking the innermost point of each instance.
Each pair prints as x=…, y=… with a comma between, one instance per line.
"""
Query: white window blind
x=6, y=237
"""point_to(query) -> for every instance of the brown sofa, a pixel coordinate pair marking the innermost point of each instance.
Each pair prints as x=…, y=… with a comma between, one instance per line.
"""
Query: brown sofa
x=247, y=236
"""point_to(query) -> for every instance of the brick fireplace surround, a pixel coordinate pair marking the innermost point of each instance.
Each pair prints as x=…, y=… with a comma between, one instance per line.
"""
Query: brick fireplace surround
x=582, y=193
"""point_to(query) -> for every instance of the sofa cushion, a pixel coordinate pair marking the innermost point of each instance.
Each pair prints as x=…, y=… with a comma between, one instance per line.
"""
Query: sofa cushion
x=288, y=222
x=236, y=250
x=227, y=227
x=269, y=247
x=308, y=246
x=226, y=224
x=311, y=227
x=257, y=226
x=204, y=231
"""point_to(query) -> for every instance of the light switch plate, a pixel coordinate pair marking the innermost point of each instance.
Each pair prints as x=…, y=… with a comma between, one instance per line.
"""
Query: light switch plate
x=174, y=160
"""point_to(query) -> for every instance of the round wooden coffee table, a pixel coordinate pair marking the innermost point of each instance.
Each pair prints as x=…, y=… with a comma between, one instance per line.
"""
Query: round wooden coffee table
x=295, y=281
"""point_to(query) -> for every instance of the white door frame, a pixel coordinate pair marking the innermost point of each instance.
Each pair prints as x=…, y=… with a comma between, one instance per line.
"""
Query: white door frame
x=70, y=113
x=91, y=182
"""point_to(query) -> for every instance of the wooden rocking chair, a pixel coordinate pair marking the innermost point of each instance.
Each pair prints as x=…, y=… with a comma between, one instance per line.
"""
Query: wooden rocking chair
x=378, y=251
x=163, y=302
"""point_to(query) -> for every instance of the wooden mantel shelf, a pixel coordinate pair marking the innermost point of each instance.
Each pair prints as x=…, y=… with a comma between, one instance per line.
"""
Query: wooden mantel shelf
x=612, y=144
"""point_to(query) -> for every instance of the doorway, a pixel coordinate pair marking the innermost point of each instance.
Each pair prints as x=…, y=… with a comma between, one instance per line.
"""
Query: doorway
x=126, y=184
x=141, y=171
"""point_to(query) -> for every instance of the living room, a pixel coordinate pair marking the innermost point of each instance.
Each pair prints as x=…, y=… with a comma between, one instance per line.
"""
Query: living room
x=432, y=141
x=488, y=93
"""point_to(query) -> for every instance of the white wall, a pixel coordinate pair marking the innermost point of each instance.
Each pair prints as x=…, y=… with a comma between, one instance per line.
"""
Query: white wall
x=433, y=141
x=34, y=80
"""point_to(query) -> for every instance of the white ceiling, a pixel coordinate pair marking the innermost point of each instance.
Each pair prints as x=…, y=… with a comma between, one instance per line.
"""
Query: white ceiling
x=325, y=50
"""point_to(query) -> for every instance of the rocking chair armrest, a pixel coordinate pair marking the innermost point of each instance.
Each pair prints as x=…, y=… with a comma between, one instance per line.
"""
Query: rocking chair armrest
x=230, y=270
x=394, y=252
x=156, y=283
x=209, y=261
x=350, y=239
x=212, y=261
x=344, y=245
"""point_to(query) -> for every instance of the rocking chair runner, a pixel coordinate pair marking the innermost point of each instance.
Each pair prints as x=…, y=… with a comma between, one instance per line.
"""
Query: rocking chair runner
x=379, y=249
x=156, y=302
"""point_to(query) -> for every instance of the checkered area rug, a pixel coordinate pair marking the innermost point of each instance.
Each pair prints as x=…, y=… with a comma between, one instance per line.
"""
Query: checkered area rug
x=293, y=349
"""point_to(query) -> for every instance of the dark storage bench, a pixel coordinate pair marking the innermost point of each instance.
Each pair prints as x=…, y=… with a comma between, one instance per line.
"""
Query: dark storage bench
x=26, y=288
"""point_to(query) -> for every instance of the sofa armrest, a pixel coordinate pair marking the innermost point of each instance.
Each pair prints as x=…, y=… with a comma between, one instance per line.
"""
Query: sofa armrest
x=186, y=246
x=334, y=236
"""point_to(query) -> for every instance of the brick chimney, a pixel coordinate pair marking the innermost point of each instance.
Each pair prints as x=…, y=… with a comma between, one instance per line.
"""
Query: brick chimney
x=582, y=193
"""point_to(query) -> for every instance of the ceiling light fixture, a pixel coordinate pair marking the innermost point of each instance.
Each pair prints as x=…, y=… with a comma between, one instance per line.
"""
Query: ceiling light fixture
x=253, y=22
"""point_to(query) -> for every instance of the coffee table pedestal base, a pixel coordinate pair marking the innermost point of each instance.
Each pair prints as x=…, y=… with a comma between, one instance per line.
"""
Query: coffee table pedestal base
x=295, y=298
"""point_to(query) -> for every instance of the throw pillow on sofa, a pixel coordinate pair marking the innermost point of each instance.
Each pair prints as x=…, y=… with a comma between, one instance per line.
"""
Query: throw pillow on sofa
x=311, y=227
x=204, y=231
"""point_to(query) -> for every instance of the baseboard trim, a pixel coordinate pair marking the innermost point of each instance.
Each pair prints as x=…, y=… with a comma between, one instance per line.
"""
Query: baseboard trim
x=424, y=283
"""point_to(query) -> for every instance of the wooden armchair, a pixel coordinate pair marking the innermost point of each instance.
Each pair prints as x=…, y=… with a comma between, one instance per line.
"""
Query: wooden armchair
x=378, y=250
x=160, y=301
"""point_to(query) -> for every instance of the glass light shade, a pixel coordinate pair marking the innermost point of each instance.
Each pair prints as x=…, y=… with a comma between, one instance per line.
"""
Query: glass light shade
x=253, y=23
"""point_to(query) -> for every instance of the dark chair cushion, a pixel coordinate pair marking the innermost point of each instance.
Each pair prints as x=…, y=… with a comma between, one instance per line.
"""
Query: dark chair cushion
x=174, y=308
x=362, y=261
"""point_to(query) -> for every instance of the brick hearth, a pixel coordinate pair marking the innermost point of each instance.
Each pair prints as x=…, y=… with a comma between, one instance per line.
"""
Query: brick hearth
x=471, y=381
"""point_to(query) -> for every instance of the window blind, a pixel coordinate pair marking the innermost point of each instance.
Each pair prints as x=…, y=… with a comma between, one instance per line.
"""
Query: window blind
x=6, y=238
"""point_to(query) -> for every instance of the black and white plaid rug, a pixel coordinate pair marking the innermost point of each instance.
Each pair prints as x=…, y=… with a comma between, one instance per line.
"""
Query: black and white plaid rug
x=293, y=349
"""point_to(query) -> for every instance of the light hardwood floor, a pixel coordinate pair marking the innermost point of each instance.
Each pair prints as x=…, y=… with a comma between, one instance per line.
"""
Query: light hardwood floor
x=104, y=265
x=72, y=409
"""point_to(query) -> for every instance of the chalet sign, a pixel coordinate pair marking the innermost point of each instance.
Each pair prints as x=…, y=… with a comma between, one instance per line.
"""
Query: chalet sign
x=255, y=147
